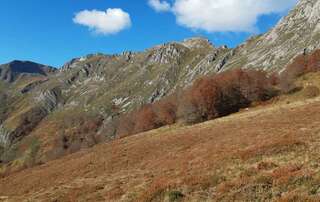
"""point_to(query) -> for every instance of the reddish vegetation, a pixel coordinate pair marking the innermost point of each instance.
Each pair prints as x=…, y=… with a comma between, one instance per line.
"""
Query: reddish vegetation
x=302, y=64
x=166, y=110
x=80, y=132
x=223, y=94
x=218, y=95
x=205, y=160
x=313, y=61
x=148, y=117
x=208, y=98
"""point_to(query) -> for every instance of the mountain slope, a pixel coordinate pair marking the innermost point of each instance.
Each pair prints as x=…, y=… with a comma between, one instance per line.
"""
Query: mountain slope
x=269, y=154
x=88, y=90
x=19, y=110
x=71, y=108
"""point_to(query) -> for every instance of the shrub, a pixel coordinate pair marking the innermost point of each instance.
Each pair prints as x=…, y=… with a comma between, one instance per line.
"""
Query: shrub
x=222, y=94
x=29, y=121
x=166, y=110
x=9, y=153
x=314, y=61
x=138, y=121
x=31, y=158
x=76, y=131
x=175, y=196
x=198, y=103
x=234, y=92
x=274, y=79
x=302, y=64
x=125, y=125
x=297, y=68
x=146, y=119
x=256, y=86
x=311, y=92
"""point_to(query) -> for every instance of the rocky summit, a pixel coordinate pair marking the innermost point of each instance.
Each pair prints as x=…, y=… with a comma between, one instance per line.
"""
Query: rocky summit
x=12, y=71
x=43, y=108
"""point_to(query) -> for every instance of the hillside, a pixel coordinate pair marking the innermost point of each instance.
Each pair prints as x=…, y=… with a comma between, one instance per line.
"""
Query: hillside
x=48, y=113
x=267, y=153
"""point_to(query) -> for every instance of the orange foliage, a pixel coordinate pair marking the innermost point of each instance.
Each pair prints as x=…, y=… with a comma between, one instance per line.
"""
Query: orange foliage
x=314, y=61
x=216, y=95
x=222, y=94
x=208, y=98
x=146, y=119
x=302, y=64
x=166, y=110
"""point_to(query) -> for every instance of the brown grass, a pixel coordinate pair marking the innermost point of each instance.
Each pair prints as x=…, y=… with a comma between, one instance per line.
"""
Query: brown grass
x=228, y=155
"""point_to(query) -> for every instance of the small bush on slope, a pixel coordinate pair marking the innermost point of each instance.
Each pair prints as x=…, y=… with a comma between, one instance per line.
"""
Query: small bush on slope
x=297, y=68
x=302, y=64
x=166, y=110
x=311, y=92
x=148, y=117
x=76, y=131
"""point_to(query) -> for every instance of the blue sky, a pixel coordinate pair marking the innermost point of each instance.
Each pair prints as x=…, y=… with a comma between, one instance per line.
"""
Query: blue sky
x=45, y=31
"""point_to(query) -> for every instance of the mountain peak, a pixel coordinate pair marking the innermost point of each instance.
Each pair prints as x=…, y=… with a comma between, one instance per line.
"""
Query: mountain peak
x=11, y=71
x=197, y=42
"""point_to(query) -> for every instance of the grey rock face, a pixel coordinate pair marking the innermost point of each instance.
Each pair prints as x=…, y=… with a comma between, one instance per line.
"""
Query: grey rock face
x=49, y=99
x=294, y=33
x=166, y=54
x=128, y=56
x=197, y=43
x=4, y=137
x=222, y=62
x=157, y=95
x=31, y=86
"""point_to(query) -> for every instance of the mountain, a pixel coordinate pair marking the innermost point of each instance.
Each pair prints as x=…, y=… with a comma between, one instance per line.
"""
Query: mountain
x=12, y=71
x=47, y=113
x=268, y=153
x=297, y=33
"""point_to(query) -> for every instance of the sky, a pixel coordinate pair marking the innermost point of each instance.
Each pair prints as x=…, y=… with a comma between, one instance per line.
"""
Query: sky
x=53, y=32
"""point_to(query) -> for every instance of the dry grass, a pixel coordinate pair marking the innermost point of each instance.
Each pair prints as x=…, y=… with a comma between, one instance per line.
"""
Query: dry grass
x=265, y=153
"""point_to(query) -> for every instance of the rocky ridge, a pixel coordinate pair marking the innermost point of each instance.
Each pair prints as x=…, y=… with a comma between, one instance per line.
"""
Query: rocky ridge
x=296, y=33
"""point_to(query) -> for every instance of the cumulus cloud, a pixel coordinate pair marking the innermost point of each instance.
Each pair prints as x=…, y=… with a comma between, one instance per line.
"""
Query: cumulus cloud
x=111, y=21
x=159, y=6
x=225, y=15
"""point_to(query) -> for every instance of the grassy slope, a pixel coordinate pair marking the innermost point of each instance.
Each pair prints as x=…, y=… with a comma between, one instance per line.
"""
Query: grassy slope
x=266, y=153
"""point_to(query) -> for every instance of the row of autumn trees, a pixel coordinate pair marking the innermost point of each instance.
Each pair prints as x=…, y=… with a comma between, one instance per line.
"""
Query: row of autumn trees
x=215, y=96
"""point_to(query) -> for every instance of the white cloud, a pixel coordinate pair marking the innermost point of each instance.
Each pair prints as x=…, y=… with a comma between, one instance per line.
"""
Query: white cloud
x=159, y=6
x=111, y=21
x=224, y=15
